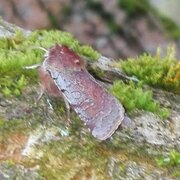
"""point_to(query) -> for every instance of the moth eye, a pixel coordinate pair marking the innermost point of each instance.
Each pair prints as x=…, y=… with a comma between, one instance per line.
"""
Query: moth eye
x=77, y=61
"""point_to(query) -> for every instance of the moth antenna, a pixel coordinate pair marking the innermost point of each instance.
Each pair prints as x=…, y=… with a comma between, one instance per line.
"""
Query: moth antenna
x=38, y=47
x=34, y=66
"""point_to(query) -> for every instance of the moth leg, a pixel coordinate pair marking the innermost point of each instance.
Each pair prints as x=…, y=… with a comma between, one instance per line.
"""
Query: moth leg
x=67, y=108
x=40, y=94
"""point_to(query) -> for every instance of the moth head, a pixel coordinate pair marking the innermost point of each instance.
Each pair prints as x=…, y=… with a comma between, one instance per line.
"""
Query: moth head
x=63, y=58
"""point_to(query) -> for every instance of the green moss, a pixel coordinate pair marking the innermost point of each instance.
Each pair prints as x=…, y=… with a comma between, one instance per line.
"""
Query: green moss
x=9, y=163
x=172, y=79
x=176, y=173
x=88, y=51
x=11, y=126
x=154, y=70
x=85, y=157
x=134, y=8
x=172, y=29
x=173, y=159
x=12, y=86
x=74, y=160
x=18, y=51
x=1, y=122
x=134, y=96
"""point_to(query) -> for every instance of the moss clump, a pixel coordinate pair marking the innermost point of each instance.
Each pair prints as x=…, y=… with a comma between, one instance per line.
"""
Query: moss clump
x=173, y=30
x=133, y=96
x=18, y=51
x=9, y=86
x=172, y=79
x=154, y=70
x=173, y=159
x=88, y=52
x=134, y=8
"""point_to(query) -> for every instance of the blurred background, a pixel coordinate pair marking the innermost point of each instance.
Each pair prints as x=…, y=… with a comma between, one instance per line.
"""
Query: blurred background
x=116, y=28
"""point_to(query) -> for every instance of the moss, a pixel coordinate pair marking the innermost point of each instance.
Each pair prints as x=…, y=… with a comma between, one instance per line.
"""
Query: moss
x=12, y=86
x=134, y=96
x=88, y=51
x=83, y=157
x=173, y=159
x=172, y=79
x=18, y=51
x=73, y=160
x=176, y=173
x=9, y=163
x=11, y=127
x=134, y=8
x=172, y=29
x=154, y=70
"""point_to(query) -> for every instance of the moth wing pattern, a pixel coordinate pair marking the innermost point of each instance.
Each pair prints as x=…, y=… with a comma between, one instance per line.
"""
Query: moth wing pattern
x=101, y=112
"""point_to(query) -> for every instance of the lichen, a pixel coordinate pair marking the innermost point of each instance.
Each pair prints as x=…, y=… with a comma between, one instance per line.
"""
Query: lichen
x=11, y=170
x=74, y=160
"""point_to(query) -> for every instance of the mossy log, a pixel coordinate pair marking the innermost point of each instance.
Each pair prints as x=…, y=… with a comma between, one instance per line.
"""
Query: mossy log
x=56, y=150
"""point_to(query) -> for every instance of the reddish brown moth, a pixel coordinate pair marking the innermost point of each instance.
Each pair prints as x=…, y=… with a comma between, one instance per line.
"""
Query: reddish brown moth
x=63, y=72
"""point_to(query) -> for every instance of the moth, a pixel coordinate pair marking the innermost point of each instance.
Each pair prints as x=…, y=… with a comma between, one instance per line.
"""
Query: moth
x=63, y=73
